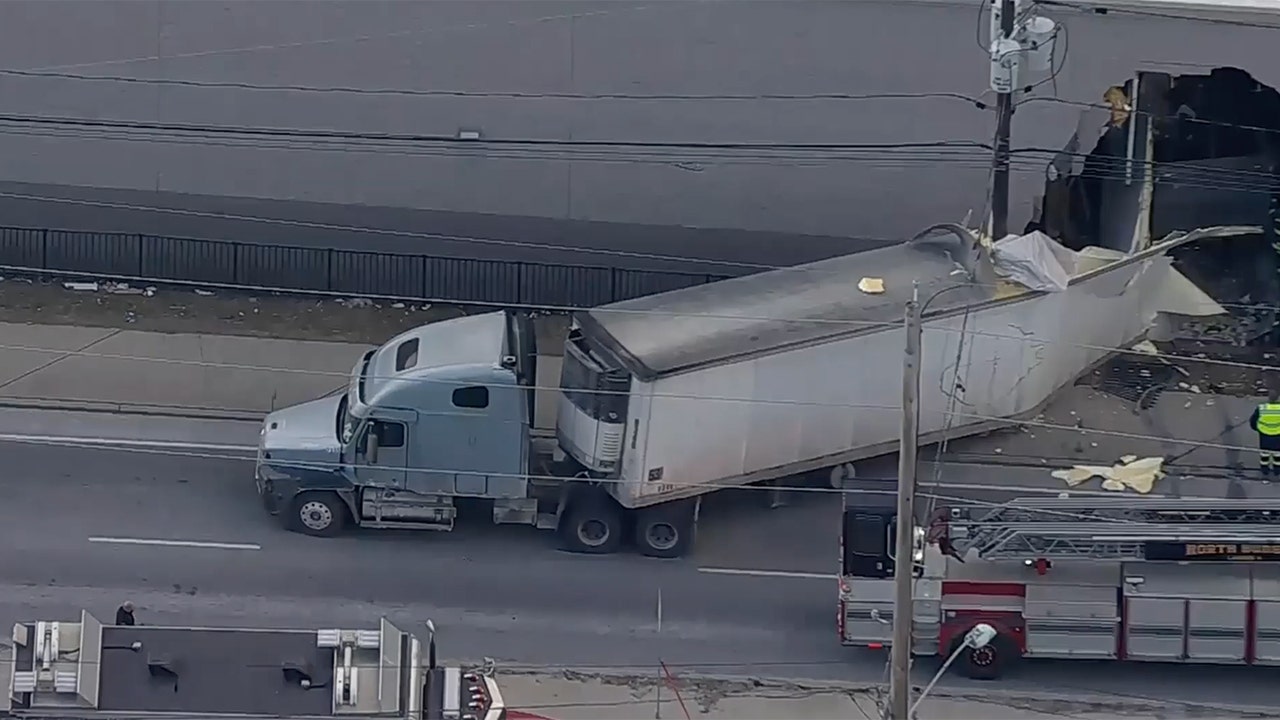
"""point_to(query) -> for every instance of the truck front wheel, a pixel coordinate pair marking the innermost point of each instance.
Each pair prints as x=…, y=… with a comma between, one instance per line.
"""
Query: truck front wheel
x=592, y=525
x=317, y=513
x=666, y=530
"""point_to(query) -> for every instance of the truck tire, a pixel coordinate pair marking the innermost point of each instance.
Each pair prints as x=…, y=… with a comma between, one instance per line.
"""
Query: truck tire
x=321, y=514
x=592, y=525
x=988, y=662
x=666, y=530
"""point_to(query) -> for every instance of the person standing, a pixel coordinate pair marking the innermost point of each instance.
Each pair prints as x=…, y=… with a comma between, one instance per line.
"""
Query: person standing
x=124, y=614
x=1266, y=422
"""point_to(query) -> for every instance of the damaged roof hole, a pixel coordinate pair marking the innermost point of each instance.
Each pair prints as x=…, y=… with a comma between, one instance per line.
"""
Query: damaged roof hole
x=1215, y=151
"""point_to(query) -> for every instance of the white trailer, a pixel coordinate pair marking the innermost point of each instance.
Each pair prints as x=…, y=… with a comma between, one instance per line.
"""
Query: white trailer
x=797, y=370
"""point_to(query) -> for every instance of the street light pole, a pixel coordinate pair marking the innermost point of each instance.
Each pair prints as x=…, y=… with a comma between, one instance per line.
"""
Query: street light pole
x=904, y=553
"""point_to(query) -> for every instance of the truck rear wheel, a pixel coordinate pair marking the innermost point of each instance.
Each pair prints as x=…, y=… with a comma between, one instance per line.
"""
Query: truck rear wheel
x=666, y=530
x=317, y=513
x=592, y=525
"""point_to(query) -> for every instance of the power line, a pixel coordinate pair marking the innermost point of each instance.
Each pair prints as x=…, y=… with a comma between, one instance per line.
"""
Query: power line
x=286, y=132
x=397, y=141
x=957, y=152
x=834, y=322
x=515, y=95
x=684, y=160
x=714, y=485
x=1169, y=357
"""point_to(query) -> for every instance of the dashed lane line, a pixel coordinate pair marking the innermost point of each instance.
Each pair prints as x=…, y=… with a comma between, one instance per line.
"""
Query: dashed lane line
x=175, y=543
x=123, y=442
x=767, y=573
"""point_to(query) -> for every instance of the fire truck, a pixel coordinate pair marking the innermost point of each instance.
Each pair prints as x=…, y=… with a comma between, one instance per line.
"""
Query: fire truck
x=1124, y=577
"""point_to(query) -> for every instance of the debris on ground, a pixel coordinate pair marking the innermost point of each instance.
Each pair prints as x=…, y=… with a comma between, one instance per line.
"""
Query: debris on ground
x=1131, y=473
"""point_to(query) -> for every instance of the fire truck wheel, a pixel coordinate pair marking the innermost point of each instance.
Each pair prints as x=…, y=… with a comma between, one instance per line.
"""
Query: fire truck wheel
x=666, y=530
x=317, y=513
x=592, y=525
x=988, y=662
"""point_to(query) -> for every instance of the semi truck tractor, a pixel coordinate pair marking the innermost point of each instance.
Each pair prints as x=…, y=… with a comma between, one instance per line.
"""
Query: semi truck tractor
x=666, y=398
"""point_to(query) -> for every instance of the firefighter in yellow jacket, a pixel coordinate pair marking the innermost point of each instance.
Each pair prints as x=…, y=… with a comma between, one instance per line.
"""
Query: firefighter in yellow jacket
x=1266, y=422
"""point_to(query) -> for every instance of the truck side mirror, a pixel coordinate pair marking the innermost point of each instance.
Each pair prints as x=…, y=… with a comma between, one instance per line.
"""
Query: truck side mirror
x=371, y=444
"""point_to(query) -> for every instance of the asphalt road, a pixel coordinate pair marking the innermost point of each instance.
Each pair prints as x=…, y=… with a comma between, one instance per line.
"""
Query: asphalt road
x=71, y=519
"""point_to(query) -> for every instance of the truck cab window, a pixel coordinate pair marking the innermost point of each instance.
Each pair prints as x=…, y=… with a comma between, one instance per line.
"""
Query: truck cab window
x=390, y=434
x=476, y=398
x=407, y=354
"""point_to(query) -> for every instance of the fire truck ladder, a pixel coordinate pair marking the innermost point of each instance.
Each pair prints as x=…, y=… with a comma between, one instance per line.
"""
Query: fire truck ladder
x=1109, y=528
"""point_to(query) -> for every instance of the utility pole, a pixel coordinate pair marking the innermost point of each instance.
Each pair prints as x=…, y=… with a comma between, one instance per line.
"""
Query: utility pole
x=1004, y=122
x=904, y=553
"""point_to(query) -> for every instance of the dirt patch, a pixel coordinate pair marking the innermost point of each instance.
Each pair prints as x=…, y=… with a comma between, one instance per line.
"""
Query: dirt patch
x=156, y=308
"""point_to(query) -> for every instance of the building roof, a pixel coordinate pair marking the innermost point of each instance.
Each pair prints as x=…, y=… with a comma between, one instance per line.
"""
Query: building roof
x=106, y=670
x=217, y=671
x=685, y=329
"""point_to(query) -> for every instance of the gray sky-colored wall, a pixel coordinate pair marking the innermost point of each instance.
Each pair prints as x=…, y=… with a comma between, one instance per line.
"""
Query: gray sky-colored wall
x=685, y=47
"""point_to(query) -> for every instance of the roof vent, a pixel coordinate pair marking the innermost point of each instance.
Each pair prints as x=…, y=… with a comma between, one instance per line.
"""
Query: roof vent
x=24, y=681
x=297, y=674
x=368, y=639
x=162, y=668
x=66, y=681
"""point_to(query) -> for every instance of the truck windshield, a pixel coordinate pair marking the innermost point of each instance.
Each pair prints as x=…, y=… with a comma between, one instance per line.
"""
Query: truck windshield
x=345, y=423
x=602, y=395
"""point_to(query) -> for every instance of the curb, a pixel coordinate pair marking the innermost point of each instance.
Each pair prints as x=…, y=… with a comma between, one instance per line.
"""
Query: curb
x=1070, y=700
x=140, y=409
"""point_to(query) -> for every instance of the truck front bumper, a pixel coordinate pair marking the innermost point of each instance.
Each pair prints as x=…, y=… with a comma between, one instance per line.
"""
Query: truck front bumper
x=271, y=500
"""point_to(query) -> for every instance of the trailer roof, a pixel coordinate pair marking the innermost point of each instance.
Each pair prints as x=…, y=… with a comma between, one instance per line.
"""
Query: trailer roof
x=685, y=329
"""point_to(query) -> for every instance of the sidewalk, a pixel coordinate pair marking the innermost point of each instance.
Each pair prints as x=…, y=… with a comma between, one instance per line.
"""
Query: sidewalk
x=106, y=369
x=575, y=696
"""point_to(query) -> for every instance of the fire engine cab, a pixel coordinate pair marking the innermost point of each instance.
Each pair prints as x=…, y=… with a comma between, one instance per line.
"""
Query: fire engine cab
x=1180, y=580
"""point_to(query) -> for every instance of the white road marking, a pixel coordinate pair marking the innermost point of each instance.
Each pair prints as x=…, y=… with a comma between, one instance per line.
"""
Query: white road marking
x=176, y=543
x=767, y=573
x=122, y=442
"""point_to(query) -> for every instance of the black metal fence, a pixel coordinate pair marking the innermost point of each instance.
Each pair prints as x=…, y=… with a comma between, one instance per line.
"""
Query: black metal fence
x=305, y=269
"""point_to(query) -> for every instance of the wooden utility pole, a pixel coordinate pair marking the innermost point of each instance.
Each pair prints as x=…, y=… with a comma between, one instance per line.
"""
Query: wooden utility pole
x=904, y=553
x=1004, y=122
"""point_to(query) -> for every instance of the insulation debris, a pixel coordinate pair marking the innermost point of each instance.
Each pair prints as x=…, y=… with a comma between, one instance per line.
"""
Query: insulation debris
x=871, y=285
x=1146, y=347
x=1131, y=473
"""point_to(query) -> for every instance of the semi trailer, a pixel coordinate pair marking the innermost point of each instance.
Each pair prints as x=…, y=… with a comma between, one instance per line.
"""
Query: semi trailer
x=786, y=374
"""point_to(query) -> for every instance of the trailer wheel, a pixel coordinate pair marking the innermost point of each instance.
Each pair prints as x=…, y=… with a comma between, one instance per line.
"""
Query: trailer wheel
x=592, y=525
x=988, y=662
x=665, y=531
x=317, y=513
